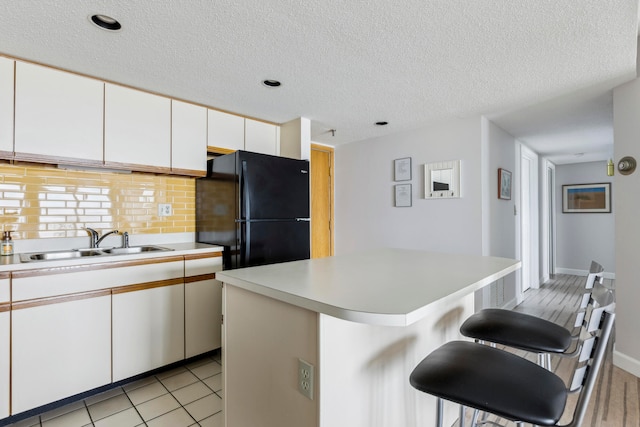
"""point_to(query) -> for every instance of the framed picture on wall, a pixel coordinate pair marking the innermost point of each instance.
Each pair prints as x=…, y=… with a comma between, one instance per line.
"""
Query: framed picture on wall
x=402, y=169
x=402, y=196
x=504, y=184
x=586, y=198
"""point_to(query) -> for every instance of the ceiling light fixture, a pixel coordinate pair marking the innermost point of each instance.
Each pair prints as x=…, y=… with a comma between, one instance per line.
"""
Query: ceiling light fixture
x=106, y=22
x=382, y=123
x=271, y=83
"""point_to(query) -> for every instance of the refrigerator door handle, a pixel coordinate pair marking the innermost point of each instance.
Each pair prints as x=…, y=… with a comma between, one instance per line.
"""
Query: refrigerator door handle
x=303, y=219
x=245, y=195
x=246, y=242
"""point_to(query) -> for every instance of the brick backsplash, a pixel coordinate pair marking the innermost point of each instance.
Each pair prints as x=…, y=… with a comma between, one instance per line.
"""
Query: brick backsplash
x=39, y=201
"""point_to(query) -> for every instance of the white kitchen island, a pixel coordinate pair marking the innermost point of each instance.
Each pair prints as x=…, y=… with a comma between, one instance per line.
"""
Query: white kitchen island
x=362, y=320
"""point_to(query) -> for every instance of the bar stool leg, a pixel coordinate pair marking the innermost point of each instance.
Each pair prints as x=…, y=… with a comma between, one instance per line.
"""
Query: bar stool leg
x=462, y=420
x=439, y=412
x=474, y=418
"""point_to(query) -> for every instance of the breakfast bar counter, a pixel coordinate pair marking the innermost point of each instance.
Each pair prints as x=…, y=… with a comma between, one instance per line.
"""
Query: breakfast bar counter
x=363, y=321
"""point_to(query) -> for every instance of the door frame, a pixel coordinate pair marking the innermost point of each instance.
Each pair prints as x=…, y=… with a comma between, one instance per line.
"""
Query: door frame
x=531, y=265
x=331, y=151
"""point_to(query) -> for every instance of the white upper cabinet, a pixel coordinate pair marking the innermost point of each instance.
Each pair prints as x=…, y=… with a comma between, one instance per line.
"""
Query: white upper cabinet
x=137, y=129
x=6, y=106
x=225, y=130
x=188, y=138
x=260, y=137
x=57, y=115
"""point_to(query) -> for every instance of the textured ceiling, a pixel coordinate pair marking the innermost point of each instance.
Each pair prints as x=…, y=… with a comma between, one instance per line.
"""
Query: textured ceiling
x=344, y=65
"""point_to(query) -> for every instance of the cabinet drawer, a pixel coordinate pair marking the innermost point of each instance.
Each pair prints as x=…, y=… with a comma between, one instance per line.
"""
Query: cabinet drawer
x=198, y=265
x=5, y=293
x=42, y=283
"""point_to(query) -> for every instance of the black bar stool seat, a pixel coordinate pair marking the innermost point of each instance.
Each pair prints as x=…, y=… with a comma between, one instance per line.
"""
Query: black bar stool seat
x=517, y=330
x=492, y=380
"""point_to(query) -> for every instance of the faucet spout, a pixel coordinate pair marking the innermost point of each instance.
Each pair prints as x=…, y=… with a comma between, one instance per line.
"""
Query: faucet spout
x=103, y=236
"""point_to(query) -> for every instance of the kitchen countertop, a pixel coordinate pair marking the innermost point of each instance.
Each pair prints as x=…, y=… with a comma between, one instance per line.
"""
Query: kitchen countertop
x=12, y=262
x=393, y=287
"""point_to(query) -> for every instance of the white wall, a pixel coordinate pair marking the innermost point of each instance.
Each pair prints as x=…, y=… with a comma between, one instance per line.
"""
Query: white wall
x=583, y=237
x=499, y=216
x=626, y=129
x=364, y=192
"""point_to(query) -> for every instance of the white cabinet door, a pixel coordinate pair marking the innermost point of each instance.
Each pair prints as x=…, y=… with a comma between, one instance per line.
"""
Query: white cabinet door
x=225, y=130
x=203, y=311
x=59, y=349
x=148, y=329
x=57, y=115
x=260, y=137
x=203, y=305
x=188, y=138
x=4, y=361
x=6, y=107
x=5, y=345
x=137, y=129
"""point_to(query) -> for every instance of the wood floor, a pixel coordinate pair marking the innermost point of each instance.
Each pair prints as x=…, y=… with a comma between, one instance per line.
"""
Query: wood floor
x=615, y=402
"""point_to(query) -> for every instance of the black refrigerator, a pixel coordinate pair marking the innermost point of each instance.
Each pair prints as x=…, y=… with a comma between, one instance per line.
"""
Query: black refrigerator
x=256, y=206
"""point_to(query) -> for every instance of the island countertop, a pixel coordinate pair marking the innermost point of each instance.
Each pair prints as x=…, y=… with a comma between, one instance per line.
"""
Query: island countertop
x=389, y=287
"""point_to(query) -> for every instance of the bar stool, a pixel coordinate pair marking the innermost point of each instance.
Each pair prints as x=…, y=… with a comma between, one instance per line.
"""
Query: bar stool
x=511, y=387
x=531, y=333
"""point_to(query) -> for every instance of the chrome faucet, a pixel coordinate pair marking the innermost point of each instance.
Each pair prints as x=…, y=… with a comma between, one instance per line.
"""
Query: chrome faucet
x=95, y=237
x=125, y=240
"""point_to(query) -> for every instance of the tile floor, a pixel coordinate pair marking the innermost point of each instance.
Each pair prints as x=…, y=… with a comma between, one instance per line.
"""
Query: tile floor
x=190, y=395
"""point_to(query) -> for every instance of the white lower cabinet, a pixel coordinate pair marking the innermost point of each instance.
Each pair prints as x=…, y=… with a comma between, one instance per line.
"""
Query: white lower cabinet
x=148, y=329
x=5, y=339
x=4, y=363
x=203, y=305
x=59, y=349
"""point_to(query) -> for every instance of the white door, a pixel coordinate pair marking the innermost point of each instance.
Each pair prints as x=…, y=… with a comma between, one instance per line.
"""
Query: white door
x=529, y=241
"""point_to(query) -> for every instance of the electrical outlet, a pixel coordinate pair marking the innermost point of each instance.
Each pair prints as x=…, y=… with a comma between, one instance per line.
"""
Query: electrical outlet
x=164, y=209
x=305, y=378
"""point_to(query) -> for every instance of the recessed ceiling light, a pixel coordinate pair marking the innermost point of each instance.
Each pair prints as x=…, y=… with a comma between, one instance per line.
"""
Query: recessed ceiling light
x=271, y=83
x=106, y=22
x=382, y=123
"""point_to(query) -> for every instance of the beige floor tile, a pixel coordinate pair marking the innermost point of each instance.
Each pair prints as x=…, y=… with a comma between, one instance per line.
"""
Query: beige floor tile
x=148, y=392
x=198, y=362
x=126, y=418
x=103, y=396
x=139, y=383
x=158, y=406
x=171, y=372
x=207, y=370
x=77, y=418
x=28, y=422
x=205, y=407
x=178, y=381
x=176, y=418
x=213, y=421
x=63, y=410
x=214, y=382
x=109, y=406
x=191, y=393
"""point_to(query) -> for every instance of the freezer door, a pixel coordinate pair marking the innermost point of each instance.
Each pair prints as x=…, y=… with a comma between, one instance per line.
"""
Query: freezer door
x=270, y=242
x=273, y=187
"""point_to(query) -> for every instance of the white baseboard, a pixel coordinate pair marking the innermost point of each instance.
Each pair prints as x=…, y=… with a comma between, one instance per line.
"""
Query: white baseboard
x=585, y=273
x=627, y=363
x=509, y=305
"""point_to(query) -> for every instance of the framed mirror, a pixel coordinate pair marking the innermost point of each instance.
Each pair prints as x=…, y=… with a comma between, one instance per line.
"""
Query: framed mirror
x=442, y=180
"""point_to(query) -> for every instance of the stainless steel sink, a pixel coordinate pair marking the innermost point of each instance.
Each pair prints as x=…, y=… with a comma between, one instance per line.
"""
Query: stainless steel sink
x=59, y=255
x=134, y=250
x=83, y=253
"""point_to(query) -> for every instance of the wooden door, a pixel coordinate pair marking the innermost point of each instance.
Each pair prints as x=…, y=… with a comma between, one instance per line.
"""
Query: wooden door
x=321, y=201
